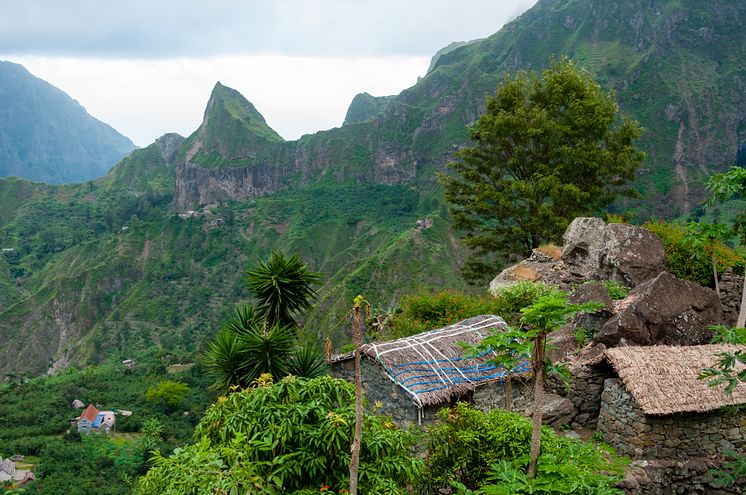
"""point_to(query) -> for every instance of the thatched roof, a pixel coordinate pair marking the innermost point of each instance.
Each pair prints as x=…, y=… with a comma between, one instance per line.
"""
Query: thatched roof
x=664, y=379
x=431, y=366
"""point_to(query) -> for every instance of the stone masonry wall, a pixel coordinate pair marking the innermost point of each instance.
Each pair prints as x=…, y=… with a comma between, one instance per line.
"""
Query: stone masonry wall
x=383, y=395
x=623, y=424
x=586, y=384
x=386, y=398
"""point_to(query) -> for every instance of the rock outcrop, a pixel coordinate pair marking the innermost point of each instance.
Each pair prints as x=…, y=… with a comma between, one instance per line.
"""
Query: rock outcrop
x=593, y=250
x=665, y=310
x=627, y=253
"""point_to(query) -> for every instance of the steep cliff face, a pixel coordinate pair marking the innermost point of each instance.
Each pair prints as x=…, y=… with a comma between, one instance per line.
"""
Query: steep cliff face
x=676, y=66
x=47, y=136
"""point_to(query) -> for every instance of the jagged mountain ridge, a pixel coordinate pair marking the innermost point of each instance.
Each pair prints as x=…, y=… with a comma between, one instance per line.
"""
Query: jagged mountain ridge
x=106, y=268
x=47, y=136
x=674, y=65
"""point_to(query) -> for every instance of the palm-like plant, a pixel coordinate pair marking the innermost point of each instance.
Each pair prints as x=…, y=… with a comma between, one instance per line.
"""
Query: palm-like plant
x=282, y=287
x=244, y=349
x=307, y=362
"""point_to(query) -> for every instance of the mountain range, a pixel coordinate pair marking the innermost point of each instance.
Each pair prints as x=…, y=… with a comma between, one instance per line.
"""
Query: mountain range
x=46, y=136
x=151, y=256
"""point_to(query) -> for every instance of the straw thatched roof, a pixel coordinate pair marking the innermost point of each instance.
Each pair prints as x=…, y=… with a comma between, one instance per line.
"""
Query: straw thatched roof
x=664, y=379
x=431, y=366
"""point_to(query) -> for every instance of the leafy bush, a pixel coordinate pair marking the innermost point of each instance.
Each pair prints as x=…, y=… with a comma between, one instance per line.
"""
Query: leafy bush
x=426, y=312
x=488, y=453
x=289, y=437
x=167, y=393
x=688, y=261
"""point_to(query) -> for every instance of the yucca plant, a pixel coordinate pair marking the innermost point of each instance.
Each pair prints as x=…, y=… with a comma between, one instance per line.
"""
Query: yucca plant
x=282, y=287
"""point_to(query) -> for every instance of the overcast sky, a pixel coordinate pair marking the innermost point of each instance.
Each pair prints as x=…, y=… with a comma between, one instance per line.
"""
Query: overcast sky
x=147, y=67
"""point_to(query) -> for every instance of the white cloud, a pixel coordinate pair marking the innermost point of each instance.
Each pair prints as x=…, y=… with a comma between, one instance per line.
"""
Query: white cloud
x=147, y=67
x=144, y=99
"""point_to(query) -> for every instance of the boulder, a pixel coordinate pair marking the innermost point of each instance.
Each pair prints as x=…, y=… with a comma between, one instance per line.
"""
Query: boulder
x=622, y=252
x=665, y=310
x=556, y=410
x=78, y=404
x=539, y=266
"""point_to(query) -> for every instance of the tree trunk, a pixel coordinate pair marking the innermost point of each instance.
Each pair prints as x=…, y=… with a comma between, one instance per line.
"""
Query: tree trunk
x=715, y=274
x=508, y=393
x=538, y=366
x=355, y=458
x=742, y=311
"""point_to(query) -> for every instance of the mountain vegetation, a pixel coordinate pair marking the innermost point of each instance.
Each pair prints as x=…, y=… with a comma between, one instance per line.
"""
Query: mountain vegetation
x=46, y=136
x=151, y=256
x=547, y=150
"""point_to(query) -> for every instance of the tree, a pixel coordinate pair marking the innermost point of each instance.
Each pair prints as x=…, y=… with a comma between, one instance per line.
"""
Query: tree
x=167, y=393
x=707, y=238
x=289, y=437
x=244, y=349
x=544, y=316
x=282, y=286
x=262, y=340
x=547, y=149
x=510, y=348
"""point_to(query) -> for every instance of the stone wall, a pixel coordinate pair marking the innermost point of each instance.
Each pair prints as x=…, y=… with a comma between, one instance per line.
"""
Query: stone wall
x=387, y=398
x=666, y=477
x=623, y=424
x=586, y=385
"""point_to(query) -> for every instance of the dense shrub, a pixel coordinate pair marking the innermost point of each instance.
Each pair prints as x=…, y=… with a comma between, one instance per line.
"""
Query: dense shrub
x=488, y=452
x=289, y=437
x=689, y=262
x=426, y=312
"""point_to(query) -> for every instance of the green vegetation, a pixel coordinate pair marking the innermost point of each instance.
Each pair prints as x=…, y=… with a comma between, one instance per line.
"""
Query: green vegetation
x=293, y=436
x=168, y=393
x=426, y=312
x=282, y=287
x=488, y=453
x=688, y=260
x=257, y=342
x=35, y=418
x=549, y=148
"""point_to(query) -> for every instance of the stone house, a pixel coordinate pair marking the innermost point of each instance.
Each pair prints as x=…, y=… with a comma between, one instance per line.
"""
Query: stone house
x=656, y=407
x=16, y=477
x=412, y=378
x=91, y=420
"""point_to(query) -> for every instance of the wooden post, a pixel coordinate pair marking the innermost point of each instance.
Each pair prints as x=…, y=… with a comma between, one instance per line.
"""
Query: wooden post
x=538, y=357
x=355, y=458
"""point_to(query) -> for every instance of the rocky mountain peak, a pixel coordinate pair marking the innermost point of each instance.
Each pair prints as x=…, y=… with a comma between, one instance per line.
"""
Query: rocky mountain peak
x=227, y=106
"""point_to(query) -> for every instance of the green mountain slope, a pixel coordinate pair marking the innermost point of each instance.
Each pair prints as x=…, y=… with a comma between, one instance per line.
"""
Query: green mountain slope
x=151, y=255
x=47, y=136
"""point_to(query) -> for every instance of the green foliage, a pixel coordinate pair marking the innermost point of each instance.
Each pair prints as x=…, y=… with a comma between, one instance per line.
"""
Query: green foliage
x=548, y=149
x=307, y=362
x=488, y=452
x=167, y=393
x=288, y=437
x=730, y=185
x=688, y=260
x=426, y=312
x=733, y=472
x=244, y=349
x=282, y=287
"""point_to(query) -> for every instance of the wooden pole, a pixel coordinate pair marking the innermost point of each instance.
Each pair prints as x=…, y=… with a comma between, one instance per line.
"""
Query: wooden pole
x=355, y=458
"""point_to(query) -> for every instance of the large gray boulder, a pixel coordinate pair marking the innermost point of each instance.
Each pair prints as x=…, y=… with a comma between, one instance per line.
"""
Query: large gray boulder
x=622, y=252
x=665, y=310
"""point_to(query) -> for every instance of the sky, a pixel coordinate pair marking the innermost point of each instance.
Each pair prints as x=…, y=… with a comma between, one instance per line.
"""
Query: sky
x=147, y=67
